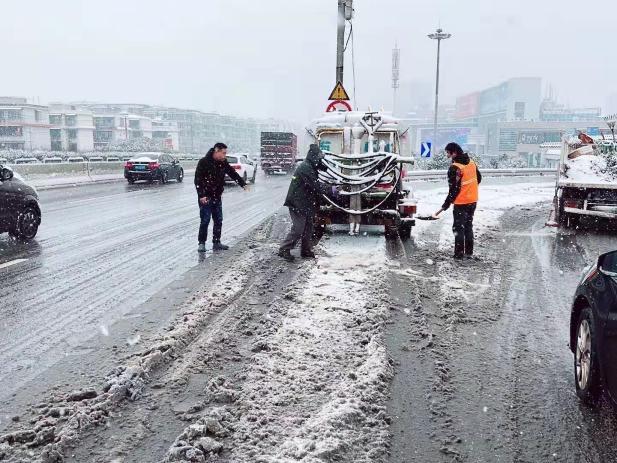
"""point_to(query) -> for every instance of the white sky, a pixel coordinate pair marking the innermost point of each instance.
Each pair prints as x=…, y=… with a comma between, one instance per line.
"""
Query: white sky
x=277, y=57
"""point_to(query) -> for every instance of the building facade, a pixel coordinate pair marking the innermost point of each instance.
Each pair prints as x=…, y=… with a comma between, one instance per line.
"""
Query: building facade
x=23, y=125
x=71, y=128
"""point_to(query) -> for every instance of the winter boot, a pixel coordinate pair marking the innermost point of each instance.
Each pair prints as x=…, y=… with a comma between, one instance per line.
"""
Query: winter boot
x=286, y=254
x=219, y=247
x=201, y=247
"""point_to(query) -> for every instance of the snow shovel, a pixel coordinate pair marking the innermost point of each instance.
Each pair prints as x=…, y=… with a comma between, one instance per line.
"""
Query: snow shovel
x=427, y=217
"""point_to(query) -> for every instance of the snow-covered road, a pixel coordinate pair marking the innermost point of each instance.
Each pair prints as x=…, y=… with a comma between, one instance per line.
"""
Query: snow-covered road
x=378, y=351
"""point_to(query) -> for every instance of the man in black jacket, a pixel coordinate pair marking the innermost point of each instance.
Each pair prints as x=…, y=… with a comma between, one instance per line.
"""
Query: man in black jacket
x=303, y=198
x=210, y=183
x=463, y=180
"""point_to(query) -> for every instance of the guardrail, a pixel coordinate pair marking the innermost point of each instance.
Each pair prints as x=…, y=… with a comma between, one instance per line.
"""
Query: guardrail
x=78, y=168
x=440, y=174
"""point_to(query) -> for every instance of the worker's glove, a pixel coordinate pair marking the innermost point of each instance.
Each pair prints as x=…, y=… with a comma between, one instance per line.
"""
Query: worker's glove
x=335, y=192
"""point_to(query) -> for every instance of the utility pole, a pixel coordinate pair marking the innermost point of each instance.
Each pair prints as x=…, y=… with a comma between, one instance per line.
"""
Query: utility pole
x=345, y=13
x=439, y=35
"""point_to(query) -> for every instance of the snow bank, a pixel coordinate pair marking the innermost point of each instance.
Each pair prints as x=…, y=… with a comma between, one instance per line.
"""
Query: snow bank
x=317, y=385
x=588, y=169
x=494, y=201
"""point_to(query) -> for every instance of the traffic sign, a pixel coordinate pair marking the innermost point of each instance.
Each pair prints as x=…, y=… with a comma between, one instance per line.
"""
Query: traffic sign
x=339, y=93
x=338, y=106
x=426, y=149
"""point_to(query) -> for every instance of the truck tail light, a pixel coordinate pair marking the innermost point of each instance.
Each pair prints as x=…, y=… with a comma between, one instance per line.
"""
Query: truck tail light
x=572, y=203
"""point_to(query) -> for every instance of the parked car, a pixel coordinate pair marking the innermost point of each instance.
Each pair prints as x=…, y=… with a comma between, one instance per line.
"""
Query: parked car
x=95, y=159
x=593, y=330
x=52, y=160
x=20, y=214
x=162, y=167
x=112, y=159
x=76, y=159
x=246, y=168
x=26, y=161
x=4, y=161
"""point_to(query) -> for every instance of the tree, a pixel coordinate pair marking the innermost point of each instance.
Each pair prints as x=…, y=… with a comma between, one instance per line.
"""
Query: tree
x=136, y=145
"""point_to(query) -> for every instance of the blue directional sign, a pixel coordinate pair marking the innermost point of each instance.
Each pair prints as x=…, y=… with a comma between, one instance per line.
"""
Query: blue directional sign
x=425, y=149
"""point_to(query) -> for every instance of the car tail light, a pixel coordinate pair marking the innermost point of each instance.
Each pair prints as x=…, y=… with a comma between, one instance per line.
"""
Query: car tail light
x=154, y=165
x=128, y=165
x=572, y=203
x=236, y=166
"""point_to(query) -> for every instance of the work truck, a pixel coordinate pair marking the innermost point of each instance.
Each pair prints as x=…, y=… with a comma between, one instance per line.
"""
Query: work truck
x=278, y=152
x=365, y=160
x=586, y=181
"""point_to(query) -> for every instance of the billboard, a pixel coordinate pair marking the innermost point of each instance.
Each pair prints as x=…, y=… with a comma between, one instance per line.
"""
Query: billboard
x=446, y=135
x=467, y=106
x=537, y=138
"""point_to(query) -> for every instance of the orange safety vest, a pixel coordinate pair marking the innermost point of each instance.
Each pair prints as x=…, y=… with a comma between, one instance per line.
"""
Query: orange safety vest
x=469, y=184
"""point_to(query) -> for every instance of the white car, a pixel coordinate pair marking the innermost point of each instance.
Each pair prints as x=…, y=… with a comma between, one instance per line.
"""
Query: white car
x=246, y=168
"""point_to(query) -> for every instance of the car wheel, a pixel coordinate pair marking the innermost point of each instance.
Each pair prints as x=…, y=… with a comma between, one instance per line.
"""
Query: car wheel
x=27, y=224
x=254, y=175
x=245, y=177
x=586, y=368
x=131, y=180
x=180, y=176
x=164, y=178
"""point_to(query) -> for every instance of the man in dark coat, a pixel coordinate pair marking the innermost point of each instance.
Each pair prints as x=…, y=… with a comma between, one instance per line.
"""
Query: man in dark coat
x=303, y=199
x=210, y=183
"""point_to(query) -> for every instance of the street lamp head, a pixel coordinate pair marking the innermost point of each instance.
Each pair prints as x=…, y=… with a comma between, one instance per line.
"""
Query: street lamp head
x=439, y=35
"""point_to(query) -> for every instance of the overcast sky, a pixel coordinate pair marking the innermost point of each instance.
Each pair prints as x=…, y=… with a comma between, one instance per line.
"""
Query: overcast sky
x=276, y=58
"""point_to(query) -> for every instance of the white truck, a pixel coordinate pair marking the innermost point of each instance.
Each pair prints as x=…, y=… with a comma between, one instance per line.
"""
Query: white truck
x=365, y=158
x=586, y=181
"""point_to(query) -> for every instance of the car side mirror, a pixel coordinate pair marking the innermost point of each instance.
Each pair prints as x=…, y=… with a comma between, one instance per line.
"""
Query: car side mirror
x=607, y=264
x=6, y=174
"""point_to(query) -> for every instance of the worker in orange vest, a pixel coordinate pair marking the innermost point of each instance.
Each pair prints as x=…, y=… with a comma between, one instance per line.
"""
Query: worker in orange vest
x=463, y=180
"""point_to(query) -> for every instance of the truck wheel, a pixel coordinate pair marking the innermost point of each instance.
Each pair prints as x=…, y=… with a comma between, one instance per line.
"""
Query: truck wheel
x=404, y=231
x=586, y=371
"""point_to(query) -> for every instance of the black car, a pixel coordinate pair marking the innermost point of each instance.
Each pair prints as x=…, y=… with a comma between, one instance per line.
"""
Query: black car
x=156, y=166
x=20, y=214
x=593, y=330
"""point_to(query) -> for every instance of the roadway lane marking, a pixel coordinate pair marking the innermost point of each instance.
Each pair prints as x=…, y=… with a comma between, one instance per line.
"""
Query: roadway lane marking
x=12, y=262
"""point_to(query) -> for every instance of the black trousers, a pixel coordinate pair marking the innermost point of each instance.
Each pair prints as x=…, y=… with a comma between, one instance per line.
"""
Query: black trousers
x=463, y=229
x=301, y=230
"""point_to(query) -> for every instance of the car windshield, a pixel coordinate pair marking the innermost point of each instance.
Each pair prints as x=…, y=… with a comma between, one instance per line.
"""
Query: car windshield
x=232, y=159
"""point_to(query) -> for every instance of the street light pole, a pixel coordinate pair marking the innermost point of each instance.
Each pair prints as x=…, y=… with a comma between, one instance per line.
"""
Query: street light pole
x=439, y=35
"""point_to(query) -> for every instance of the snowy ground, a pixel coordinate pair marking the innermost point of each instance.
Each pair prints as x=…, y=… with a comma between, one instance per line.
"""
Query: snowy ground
x=378, y=351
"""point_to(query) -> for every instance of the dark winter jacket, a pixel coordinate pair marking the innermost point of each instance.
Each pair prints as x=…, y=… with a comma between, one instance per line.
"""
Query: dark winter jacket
x=305, y=190
x=454, y=179
x=210, y=176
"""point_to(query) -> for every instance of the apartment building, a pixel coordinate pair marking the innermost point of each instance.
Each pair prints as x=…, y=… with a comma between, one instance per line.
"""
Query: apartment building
x=71, y=128
x=23, y=125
